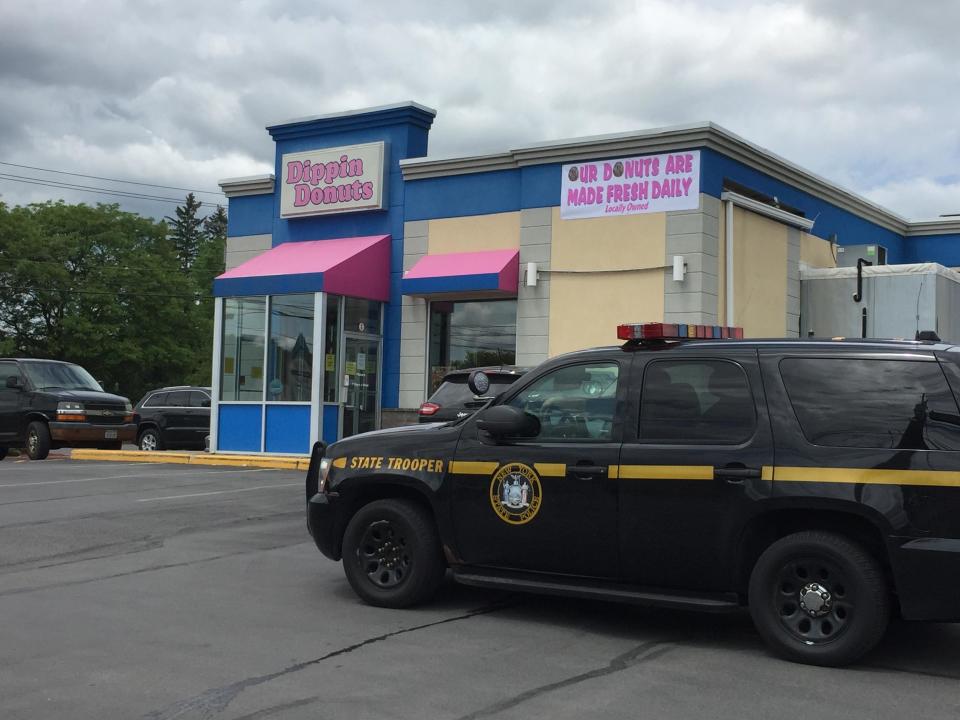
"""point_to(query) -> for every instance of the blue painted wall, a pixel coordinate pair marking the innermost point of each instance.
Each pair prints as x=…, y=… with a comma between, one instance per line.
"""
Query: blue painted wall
x=239, y=428
x=250, y=215
x=944, y=249
x=287, y=429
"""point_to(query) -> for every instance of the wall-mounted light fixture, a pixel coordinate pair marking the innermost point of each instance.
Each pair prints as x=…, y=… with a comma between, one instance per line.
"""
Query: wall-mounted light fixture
x=531, y=280
x=679, y=268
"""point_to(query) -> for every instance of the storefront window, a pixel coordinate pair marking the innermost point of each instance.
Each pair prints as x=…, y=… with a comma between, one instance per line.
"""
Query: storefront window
x=244, y=322
x=361, y=316
x=290, y=354
x=331, y=335
x=471, y=334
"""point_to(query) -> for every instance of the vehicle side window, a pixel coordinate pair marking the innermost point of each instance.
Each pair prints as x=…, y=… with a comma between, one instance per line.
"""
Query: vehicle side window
x=6, y=370
x=156, y=400
x=574, y=403
x=696, y=402
x=199, y=399
x=178, y=399
x=893, y=404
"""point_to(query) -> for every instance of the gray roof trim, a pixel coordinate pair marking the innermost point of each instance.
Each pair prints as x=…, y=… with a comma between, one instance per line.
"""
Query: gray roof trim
x=939, y=226
x=666, y=139
x=250, y=185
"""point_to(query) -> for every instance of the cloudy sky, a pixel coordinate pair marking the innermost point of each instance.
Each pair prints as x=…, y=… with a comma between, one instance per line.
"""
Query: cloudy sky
x=863, y=92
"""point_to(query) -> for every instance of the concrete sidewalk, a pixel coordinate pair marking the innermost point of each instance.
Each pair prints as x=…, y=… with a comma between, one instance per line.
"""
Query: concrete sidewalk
x=284, y=462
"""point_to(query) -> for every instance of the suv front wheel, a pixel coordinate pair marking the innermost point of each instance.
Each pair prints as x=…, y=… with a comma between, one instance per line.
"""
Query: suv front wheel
x=819, y=598
x=391, y=553
x=38, y=440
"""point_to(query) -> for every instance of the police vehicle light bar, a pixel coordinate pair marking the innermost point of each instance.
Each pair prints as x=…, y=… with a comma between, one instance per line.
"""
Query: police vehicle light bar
x=672, y=331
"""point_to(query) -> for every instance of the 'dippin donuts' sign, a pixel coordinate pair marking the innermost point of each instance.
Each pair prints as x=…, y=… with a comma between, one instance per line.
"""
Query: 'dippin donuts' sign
x=333, y=180
x=628, y=186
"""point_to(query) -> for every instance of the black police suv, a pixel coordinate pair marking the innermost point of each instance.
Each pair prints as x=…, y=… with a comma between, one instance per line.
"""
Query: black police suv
x=48, y=404
x=454, y=400
x=815, y=482
x=174, y=418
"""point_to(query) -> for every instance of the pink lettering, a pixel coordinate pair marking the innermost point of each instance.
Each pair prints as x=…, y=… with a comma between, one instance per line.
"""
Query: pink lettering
x=294, y=172
x=687, y=182
x=355, y=168
x=367, y=190
x=316, y=196
x=301, y=195
x=607, y=171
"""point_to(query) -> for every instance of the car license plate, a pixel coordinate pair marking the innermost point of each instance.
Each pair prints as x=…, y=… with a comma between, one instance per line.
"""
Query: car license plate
x=109, y=434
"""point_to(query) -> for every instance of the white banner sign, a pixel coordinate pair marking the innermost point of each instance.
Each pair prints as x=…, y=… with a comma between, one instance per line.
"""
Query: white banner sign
x=333, y=180
x=628, y=186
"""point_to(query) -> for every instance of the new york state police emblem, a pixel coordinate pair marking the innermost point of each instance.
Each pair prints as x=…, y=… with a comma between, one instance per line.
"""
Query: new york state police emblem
x=515, y=493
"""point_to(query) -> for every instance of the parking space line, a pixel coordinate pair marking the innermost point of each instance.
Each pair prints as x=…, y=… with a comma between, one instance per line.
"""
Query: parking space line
x=120, y=477
x=220, y=492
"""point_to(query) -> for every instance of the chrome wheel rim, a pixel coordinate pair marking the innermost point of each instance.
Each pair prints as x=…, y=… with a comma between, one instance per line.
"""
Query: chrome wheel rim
x=33, y=441
x=148, y=442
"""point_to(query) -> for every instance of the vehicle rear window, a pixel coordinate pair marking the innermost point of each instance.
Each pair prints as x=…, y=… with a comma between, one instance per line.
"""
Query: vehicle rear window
x=454, y=390
x=178, y=399
x=866, y=403
x=199, y=399
x=696, y=402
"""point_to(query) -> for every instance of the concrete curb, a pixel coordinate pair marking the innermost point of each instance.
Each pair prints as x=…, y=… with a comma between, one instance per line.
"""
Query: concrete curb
x=185, y=458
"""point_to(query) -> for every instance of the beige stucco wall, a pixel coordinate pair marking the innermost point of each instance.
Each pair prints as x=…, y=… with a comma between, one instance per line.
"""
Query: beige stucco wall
x=474, y=233
x=760, y=274
x=816, y=252
x=586, y=307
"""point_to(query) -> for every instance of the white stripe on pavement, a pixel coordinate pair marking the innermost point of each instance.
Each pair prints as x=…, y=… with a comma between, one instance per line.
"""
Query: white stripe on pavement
x=221, y=492
x=119, y=477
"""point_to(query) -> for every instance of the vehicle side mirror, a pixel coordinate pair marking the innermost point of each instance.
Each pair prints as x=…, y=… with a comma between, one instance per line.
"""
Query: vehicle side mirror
x=13, y=382
x=479, y=383
x=503, y=421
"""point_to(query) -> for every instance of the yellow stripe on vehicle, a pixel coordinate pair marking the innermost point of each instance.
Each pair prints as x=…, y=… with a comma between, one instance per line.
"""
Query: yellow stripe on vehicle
x=340, y=462
x=613, y=472
x=462, y=467
x=550, y=469
x=867, y=476
x=662, y=472
x=766, y=472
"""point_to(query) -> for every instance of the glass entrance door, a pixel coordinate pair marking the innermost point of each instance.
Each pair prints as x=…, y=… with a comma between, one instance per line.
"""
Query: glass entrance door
x=361, y=384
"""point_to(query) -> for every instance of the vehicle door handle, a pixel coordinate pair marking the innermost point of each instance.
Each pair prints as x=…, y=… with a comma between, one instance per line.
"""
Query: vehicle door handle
x=587, y=472
x=735, y=474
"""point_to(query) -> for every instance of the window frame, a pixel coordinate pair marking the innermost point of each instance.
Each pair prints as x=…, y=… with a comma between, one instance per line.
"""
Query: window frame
x=641, y=375
x=930, y=360
x=616, y=429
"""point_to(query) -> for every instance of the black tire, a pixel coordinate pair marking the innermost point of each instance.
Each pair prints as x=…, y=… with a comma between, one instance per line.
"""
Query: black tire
x=38, y=440
x=3, y=452
x=819, y=598
x=391, y=554
x=154, y=440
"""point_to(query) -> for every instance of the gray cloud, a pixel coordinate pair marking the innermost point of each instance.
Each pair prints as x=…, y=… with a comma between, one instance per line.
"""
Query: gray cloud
x=862, y=92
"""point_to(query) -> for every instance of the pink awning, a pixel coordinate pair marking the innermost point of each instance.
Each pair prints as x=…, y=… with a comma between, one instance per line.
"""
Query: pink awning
x=356, y=267
x=495, y=271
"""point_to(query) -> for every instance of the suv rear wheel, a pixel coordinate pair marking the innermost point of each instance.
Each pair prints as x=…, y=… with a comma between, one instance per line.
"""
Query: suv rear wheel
x=150, y=440
x=38, y=440
x=819, y=598
x=391, y=554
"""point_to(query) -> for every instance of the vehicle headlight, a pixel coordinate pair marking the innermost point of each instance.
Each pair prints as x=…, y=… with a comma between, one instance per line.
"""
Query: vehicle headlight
x=67, y=411
x=128, y=407
x=324, y=473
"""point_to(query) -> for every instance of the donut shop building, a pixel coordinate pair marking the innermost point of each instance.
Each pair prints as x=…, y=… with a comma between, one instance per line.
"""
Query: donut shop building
x=362, y=268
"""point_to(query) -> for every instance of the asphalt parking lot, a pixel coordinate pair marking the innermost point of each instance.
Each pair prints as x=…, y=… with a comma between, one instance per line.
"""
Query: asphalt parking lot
x=162, y=592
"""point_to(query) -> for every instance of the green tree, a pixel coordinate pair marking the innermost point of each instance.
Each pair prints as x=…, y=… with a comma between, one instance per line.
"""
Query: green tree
x=102, y=288
x=187, y=232
x=209, y=264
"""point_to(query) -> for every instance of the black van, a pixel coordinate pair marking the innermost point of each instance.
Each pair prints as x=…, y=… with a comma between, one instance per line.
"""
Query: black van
x=48, y=404
x=815, y=482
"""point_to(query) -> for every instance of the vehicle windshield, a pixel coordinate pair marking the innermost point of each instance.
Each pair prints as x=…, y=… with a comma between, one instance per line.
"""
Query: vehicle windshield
x=59, y=376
